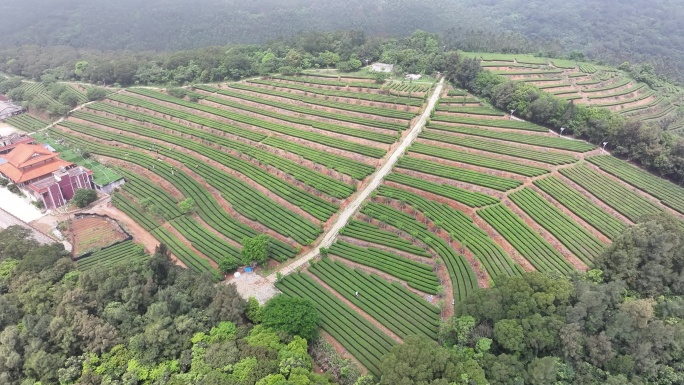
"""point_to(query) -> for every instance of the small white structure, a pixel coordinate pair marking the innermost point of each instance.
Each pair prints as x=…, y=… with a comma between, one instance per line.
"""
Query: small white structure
x=382, y=67
x=413, y=76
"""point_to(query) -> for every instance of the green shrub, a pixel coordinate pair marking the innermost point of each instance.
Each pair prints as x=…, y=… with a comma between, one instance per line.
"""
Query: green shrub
x=13, y=188
x=84, y=197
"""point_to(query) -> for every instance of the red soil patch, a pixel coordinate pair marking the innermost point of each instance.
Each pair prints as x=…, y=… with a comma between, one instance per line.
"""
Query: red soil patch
x=93, y=232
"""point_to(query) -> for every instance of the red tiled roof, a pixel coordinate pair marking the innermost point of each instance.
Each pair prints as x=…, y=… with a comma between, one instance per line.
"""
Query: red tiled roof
x=25, y=155
x=18, y=175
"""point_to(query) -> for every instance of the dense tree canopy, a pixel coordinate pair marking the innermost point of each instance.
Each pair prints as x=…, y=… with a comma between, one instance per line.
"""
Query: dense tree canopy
x=626, y=330
x=610, y=30
x=649, y=258
x=296, y=316
x=84, y=197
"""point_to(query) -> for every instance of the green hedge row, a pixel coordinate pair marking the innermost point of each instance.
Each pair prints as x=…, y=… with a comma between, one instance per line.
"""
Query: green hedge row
x=572, y=235
x=477, y=160
x=524, y=239
x=581, y=206
x=208, y=208
x=459, y=174
x=611, y=192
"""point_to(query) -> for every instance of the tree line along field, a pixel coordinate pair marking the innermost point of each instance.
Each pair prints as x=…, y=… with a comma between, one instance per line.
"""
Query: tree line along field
x=476, y=197
x=595, y=85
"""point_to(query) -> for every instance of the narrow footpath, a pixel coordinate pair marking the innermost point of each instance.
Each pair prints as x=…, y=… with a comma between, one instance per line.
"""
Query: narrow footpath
x=346, y=214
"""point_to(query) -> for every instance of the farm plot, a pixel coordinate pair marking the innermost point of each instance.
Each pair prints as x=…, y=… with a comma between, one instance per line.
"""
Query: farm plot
x=572, y=235
x=356, y=170
x=204, y=241
x=532, y=72
x=534, y=140
x=341, y=94
x=381, y=137
x=658, y=103
x=184, y=253
x=135, y=211
x=565, y=64
x=309, y=177
x=462, y=100
x=667, y=192
x=361, y=338
x=157, y=199
x=626, y=91
x=557, y=85
x=417, y=275
x=124, y=253
x=409, y=87
x=477, y=160
x=27, y=123
x=462, y=276
x=94, y=232
x=208, y=208
x=487, y=111
x=524, y=239
x=458, y=174
x=612, y=193
x=553, y=158
x=207, y=242
x=313, y=205
x=612, y=86
x=339, y=81
x=468, y=198
x=542, y=80
x=381, y=112
x=581, y=206
x=402, y=311
x=371, y=233
x=587, y=68
x=460, y=228
x=189, y=258
x=274, y=127
x=497, y=123
x=457, y=92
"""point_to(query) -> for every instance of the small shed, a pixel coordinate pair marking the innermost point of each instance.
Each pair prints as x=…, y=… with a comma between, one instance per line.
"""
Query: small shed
x=382, y=67
x=413, y=76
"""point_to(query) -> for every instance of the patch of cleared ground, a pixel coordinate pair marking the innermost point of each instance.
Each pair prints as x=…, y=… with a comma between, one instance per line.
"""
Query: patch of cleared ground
x=254, y=285
x=18, y=206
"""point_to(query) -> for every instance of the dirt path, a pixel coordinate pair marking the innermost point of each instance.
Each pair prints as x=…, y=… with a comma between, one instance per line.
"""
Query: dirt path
x=363, y=194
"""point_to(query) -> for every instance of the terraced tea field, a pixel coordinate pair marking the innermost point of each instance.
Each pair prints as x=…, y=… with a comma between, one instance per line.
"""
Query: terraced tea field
x=466, y=195
x=592, y=85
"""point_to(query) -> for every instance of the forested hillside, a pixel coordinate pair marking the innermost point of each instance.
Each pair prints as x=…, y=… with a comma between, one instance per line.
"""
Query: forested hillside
x=145, y=323
x=614, y=31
